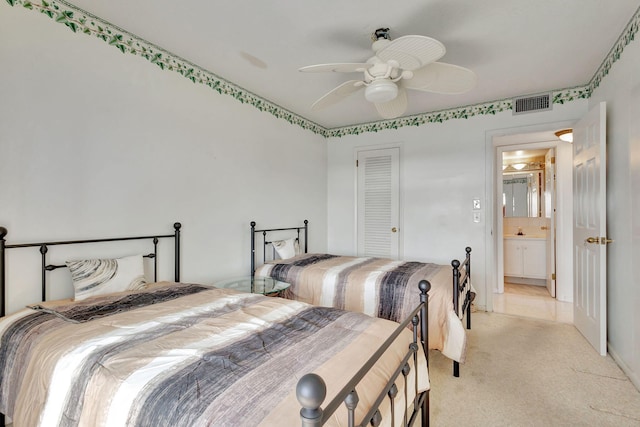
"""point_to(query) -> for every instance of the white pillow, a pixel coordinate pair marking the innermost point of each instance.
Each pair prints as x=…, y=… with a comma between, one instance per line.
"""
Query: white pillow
x=104, y=276
x=286, y=248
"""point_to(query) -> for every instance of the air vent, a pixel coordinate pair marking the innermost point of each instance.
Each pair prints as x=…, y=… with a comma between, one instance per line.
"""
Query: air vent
x=531, y=104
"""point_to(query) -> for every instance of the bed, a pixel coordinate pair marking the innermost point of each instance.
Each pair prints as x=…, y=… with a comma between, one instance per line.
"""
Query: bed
x=378, y=287
x=183, y=354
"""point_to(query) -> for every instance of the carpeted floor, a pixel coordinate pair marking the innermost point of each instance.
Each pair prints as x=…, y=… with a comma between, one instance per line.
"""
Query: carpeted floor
x=526, y=372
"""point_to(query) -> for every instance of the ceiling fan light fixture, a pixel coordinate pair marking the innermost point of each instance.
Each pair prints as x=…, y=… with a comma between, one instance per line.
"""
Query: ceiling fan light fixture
x=565, y=135
x=380, y=91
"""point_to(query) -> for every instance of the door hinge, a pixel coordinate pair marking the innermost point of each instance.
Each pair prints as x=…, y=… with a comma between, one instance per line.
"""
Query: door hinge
x=356, y=163
x=553, y=276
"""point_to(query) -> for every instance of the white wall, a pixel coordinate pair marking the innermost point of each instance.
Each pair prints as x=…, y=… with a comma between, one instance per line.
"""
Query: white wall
x=96, y=143
x=443, y=169
x=621, y=90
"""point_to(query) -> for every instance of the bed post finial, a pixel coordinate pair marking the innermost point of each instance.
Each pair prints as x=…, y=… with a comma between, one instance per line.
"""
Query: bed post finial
x=467, y=250
x=310, y=392
x=425, y=287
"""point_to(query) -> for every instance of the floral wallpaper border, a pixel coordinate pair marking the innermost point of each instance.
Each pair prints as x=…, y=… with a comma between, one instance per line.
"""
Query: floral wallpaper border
x=79, y=21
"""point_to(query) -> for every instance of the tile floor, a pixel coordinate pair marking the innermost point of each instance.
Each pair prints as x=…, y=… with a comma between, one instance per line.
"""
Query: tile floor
x=532, y=301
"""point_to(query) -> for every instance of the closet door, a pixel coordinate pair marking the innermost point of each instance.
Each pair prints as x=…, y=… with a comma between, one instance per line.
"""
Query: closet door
x=378, y=189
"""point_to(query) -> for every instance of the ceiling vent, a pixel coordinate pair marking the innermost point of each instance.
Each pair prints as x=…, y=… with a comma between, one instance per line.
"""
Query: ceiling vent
x=531, y=104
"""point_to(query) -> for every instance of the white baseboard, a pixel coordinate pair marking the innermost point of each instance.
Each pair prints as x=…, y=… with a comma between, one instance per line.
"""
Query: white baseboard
x=632, y=376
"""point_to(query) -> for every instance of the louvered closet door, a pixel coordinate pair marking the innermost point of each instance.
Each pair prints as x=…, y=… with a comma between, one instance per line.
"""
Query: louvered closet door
x=378, y=202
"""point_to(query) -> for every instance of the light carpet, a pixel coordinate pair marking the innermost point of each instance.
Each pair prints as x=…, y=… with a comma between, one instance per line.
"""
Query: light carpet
x=528, y=372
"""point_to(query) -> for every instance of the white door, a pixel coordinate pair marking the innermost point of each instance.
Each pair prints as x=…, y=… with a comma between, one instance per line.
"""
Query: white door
x=550, y=213
x=589, y=228
x=378, y=202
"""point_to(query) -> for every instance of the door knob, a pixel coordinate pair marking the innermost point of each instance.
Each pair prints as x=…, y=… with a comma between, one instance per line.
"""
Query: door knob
x=592, y=240
x=393, y=230
x=604, y=240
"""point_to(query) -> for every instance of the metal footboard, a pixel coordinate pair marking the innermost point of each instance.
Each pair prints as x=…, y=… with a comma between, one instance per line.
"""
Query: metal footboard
x=462, y=289
x=311, y=389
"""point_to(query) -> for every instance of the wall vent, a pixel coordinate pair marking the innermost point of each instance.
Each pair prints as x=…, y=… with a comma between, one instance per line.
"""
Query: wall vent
x=531, y=104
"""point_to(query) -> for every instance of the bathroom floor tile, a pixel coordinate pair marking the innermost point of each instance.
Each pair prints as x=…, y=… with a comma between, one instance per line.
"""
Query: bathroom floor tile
x=532, y=301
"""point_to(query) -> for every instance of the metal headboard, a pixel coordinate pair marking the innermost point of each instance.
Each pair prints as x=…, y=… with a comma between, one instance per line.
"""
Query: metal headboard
x=266, y=242
x=44, y=248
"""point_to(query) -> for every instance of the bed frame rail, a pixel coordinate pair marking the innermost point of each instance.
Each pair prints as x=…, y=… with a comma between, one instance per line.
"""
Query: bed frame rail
x=311, y=389
x=462, y=291
x=266, y=242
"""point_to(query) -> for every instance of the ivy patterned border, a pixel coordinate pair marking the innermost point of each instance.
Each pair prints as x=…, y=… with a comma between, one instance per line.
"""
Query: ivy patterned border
x=627, y=36
x=559, y=97
x=79, y=21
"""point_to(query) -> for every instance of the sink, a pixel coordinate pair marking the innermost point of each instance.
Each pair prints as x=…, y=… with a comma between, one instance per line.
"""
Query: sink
x=524, y=236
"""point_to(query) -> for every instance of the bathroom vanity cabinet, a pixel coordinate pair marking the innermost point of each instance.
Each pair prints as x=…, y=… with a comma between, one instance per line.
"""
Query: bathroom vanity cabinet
x=525, y=257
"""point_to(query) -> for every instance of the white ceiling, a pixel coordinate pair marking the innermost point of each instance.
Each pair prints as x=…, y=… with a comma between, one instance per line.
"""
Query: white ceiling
x=515, y=47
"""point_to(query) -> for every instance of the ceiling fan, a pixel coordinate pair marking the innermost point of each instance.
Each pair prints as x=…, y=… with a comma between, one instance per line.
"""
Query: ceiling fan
x=408, y=62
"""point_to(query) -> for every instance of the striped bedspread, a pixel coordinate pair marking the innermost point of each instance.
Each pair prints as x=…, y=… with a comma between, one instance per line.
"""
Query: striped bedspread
x=183, y=355
x=378, y=287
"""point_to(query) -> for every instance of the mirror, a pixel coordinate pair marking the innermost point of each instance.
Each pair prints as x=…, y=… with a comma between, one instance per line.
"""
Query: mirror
x=522, y=194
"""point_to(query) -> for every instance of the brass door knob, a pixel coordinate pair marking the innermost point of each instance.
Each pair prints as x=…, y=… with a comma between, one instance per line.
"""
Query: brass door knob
x=604, y=240
x=393, y=230
x=592, y=240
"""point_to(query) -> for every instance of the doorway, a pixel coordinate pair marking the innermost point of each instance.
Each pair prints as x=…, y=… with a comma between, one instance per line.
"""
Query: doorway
x=535, y=141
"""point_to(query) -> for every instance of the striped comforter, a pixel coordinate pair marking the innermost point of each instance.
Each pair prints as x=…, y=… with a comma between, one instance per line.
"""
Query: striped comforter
x=378, y=287
x=182, y=355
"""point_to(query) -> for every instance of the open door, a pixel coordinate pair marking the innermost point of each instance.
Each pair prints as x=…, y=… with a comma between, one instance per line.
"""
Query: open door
x=550, y=212
x=589, y=227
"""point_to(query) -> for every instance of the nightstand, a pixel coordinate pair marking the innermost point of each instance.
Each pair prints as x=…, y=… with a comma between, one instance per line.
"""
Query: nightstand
x=256, y=285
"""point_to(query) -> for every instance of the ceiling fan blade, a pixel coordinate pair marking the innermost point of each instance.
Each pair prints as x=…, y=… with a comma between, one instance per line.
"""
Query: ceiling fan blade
x=336, y=68
x=444, y=78
x=337, y=94
x=394, y=108
x=412, y=52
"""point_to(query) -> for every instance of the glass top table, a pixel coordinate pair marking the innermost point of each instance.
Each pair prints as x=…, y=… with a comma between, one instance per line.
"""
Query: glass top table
x=255, y=285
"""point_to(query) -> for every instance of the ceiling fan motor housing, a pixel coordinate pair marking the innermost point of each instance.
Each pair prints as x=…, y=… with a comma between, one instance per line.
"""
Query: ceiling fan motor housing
x=380, y=91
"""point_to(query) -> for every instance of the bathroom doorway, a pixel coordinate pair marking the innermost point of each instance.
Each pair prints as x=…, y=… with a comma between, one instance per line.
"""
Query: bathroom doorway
x=535, y=172
x=528, y=211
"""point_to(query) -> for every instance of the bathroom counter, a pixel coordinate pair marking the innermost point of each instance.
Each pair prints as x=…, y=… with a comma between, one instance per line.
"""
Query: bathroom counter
x=525, y=236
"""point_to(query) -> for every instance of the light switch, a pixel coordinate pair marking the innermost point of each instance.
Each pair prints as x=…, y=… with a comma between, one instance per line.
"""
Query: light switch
x=476, y=204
